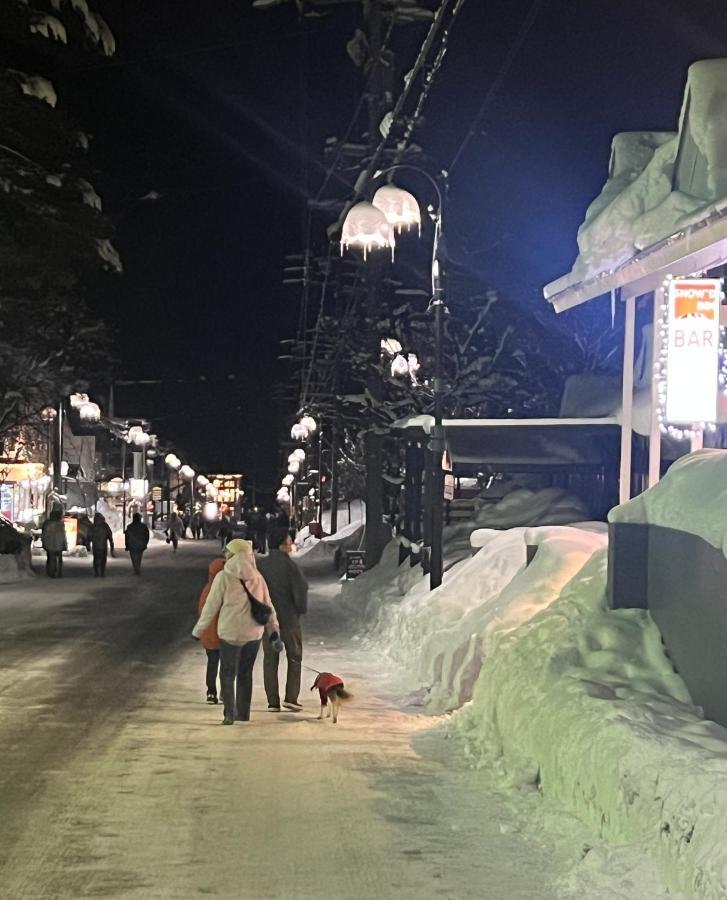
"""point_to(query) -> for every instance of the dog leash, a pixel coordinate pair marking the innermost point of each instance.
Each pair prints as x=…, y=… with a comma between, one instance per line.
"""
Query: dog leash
x=309, y=669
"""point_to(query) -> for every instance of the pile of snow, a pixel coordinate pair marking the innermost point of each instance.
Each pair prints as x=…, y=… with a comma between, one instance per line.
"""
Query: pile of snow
x=582, y=702
x=441, y=637
x=659, y=182
x=691, y=497
x=324, y=554
x=567, y=696
x=348, y=514
x=10, y=570
x=519, y=507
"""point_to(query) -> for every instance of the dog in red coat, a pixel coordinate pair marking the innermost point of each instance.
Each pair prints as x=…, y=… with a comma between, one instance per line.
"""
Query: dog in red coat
x=330, y=687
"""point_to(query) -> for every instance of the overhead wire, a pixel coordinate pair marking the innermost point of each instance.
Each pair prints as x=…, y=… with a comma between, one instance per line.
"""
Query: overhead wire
x=494, y=88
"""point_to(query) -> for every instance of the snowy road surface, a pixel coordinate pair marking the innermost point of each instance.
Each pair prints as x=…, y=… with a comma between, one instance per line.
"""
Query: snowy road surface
x=117, y=780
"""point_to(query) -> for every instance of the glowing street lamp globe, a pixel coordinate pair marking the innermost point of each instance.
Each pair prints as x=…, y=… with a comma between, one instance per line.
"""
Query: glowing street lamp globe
x=77, y=400
x=309, y=423
x=299, y=432
x=288, y=480
x=202, y=481
x=142, y=439
x=187, y=472
x=399, y=206
x=298, y=454
x=367, y=227
x=172, y=460
x=89, y=412
x=49, y=414
x=294, y=467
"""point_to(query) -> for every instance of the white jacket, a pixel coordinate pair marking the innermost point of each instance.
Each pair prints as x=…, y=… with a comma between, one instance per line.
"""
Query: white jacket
x=227, y=597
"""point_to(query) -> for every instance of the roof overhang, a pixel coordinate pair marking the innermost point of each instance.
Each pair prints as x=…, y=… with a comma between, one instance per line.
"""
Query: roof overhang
x=527, y=444
x=695, y=250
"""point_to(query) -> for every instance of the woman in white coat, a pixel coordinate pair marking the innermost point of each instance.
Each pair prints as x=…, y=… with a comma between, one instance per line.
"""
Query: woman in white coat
x=240, y=634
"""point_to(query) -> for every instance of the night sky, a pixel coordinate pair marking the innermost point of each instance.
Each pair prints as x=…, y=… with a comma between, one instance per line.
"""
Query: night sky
x=223, y=110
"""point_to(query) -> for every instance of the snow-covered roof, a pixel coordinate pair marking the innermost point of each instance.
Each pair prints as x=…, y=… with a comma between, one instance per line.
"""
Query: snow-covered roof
x=663, y=208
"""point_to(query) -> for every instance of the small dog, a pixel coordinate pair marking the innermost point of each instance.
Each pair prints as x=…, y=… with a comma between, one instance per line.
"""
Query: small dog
x=330, y=687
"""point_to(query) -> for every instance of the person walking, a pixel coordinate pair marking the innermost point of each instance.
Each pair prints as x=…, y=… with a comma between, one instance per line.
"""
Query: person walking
x=53, y=539
x=136, y=538
x=238, y=593
x=289, y=593
x=210, y=638
x=195, y=524
x=102, y=540
x=174, y=530
x=224, y=530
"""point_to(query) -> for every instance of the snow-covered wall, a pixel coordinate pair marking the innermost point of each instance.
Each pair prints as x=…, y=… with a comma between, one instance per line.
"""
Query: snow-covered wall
x=692, y=497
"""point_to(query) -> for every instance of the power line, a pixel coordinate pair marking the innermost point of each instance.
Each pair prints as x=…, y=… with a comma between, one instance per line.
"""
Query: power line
x=513, y=51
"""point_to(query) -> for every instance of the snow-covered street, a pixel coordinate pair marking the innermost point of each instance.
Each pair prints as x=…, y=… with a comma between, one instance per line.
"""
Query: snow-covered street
x=118, y=781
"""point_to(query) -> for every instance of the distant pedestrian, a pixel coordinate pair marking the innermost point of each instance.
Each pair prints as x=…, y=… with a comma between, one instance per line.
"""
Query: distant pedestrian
x=289, y=593
x=195, y=525
x=102, y=541
x=174, y=530
x=238, y=593
x=209, y=637
x=84, y=531
x=224, y=530
x=53, y=538
x=136, y=538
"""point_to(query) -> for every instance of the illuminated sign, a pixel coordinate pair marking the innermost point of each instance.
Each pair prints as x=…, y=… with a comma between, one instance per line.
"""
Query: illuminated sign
x=228, y=488
x=692, y=363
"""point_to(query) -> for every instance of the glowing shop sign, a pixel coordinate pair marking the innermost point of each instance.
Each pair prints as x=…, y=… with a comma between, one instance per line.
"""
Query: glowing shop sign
x=692, y=365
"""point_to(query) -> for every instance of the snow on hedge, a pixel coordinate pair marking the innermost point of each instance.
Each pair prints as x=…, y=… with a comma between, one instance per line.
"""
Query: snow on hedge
x=691, y=497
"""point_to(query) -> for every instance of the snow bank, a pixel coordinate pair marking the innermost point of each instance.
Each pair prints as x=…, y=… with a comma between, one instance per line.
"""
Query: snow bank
x=582, y=702
x=691, y=497
x=323, y=553
x=10, y=571
x=441, y=637
x=566, y=695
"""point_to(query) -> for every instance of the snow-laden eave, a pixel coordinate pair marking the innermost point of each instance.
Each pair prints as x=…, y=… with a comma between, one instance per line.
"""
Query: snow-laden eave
x=696, y=249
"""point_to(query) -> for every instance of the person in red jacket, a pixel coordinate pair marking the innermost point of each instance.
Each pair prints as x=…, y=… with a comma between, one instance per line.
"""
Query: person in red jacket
x=209, y=637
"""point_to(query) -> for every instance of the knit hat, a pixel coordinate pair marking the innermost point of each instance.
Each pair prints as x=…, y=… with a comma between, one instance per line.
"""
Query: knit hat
x=238, y=545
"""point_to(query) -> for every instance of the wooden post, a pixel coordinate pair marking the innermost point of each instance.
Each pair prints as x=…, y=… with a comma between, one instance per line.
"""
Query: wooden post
x=627, y=402
x=655, y=431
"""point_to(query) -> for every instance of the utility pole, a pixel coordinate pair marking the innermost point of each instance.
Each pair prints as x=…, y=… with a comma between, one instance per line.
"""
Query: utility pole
x=373, y=441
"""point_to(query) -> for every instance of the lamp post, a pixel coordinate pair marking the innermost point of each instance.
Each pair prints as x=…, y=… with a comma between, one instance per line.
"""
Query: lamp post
x=371, y=226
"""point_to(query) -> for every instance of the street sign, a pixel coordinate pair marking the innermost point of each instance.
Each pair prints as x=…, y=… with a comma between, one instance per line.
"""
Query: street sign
x=355, y=563
x=692, y=351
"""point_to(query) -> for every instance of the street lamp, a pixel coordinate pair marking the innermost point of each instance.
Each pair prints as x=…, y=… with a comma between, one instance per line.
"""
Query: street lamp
x=299, y=432
x=309, y=423
x=188, y=473
x=363, y=228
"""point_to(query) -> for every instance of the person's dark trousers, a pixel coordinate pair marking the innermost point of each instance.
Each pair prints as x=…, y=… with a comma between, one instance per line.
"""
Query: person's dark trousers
x=293, y=640
x=136, y=556
x=54, y=563
x=236, y=664
x=99, y=562
x=175, y=541
x=213, y=666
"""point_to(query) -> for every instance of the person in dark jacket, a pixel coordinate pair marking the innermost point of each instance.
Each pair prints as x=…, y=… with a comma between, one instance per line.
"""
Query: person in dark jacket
x=289, y=593
x=101, y=536
x=53, y=538
x=136, y=538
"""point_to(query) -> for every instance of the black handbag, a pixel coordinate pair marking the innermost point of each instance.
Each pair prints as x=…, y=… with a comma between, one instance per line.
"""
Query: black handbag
x=260, y=612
